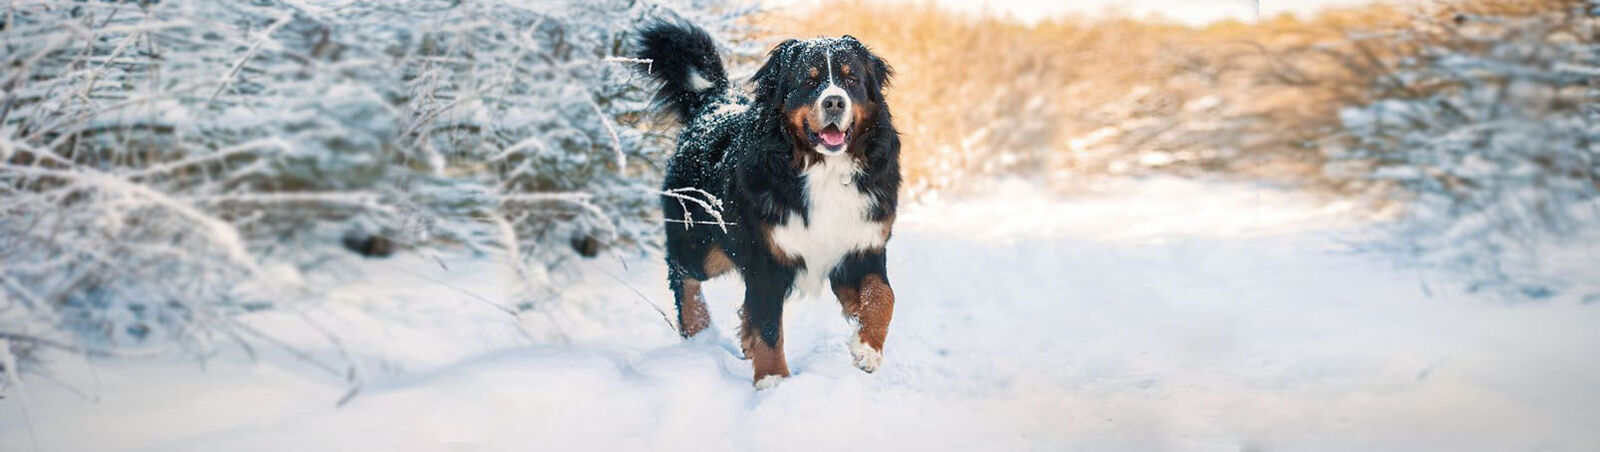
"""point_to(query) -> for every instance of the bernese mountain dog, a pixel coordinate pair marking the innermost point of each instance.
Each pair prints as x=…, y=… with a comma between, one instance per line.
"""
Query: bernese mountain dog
x=791, y=185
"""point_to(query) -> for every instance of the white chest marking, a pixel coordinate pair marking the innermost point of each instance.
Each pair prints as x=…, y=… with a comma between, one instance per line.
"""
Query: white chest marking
x=839, y=225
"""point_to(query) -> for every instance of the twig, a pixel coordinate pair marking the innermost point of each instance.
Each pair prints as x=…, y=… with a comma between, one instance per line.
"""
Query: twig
x=458, y=289
x=712, y=205
x=650, y=65
x=248, y=54
x=218, y=155
x=693, y=222
x=352, y=372
x=647, y=301
x=14, y=378
x=616, y=141
x=580, y=199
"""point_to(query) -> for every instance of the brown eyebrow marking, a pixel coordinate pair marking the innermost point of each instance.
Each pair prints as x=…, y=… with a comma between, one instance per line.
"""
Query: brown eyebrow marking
x=845, y=69
x=814, y=72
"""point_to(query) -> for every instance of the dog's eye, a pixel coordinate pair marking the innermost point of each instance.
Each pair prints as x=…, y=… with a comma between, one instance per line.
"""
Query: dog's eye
x=850, y=80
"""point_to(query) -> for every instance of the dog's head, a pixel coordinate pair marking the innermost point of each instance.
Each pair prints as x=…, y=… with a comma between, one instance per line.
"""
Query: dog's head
x=828, y=91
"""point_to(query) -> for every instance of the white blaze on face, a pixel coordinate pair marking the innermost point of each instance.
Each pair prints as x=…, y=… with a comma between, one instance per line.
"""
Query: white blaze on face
x=832, y=89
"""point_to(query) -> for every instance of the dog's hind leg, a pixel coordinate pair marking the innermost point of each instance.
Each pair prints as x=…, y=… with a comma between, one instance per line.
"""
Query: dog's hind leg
x=693, y=316
x=762, y=331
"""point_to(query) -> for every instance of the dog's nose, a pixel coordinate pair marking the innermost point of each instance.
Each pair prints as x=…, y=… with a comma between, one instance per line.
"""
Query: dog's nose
x=833, y=106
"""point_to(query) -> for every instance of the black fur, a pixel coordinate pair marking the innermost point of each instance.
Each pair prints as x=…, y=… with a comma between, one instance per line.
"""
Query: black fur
x=369, y=245
x=743, y=150
x=675, y=49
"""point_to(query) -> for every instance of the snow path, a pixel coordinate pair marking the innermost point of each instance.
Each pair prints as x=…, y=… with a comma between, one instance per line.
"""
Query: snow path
x=1159, y=315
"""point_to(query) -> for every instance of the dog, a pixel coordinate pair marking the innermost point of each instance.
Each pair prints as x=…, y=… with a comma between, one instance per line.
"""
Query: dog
x=804, y=172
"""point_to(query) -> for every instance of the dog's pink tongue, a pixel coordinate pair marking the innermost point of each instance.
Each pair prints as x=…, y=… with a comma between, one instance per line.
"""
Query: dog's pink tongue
x=832, y=136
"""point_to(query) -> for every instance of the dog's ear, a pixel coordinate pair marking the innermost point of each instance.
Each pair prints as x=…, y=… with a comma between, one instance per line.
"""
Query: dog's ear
x=770, y=78
x=881, y=72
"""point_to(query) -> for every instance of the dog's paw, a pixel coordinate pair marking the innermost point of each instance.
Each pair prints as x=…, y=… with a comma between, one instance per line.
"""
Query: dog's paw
x=865, y=357
x=768, y=382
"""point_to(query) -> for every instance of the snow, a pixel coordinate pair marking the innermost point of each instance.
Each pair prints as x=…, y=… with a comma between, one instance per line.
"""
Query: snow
x=1150, y=315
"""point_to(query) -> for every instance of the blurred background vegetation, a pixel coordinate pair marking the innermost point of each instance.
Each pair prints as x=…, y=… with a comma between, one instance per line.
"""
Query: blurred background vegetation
x=1471, y=123
x=166, y=166
x=1079, y=97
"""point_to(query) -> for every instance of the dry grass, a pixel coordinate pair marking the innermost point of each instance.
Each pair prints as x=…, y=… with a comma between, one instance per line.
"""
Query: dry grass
x=1074, y=98
x=980, y=96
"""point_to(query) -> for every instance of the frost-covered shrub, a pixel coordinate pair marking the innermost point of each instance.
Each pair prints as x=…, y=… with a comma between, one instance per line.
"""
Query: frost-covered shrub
x=1488, y=127
x=169, y=164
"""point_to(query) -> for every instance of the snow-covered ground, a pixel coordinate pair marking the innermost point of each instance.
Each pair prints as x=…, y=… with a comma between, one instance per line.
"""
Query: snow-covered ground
x=1154, y=315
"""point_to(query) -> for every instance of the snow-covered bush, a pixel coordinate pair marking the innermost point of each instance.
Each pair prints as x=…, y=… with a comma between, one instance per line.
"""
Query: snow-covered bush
x=166, y=165
x=1485, y=124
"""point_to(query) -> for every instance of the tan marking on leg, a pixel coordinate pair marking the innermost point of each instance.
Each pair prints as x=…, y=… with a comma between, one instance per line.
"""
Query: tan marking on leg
x=717, y=262
x=693, y=316
x=849, y=298
x=875, y=308
x=766, y=361
x=871, y=305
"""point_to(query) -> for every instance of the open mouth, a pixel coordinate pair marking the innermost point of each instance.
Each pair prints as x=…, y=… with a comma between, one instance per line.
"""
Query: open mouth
x=830, y=137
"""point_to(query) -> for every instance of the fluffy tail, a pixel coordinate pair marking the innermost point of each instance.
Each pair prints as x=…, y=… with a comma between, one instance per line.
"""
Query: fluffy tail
x=684, y=59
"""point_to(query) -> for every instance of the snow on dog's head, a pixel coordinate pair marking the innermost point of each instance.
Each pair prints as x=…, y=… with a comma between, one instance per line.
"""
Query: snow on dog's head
x=826, y=88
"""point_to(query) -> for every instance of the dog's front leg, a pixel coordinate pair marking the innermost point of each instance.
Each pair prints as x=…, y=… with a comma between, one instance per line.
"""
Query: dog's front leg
x=862, y=284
